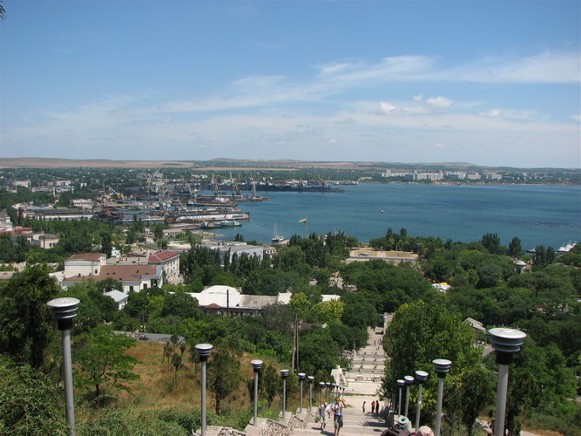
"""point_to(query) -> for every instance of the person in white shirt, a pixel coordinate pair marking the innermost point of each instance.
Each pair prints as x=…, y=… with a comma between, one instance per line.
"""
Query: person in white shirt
x=337, y=408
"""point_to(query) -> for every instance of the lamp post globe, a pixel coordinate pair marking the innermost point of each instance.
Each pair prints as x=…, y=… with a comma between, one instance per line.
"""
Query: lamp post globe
x=421, y=377
x=311, y=379
x=409, y=380
x=284, y=375
x=302, y=377
x=400, y=384
x=203, y=351
x=506, y=342
x=64, y=310
x=256, y=366
x=442, y=367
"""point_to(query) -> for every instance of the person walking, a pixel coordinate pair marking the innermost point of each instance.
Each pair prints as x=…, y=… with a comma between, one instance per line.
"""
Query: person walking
x=323, y=412
x=337, y=408
x=363, y=407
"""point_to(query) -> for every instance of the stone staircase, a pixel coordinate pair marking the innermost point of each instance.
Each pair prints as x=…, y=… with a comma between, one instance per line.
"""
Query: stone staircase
x=363, y=383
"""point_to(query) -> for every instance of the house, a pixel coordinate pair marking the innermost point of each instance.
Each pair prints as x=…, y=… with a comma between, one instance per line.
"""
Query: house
x=45, y=240
x=239, y=248
x=134, y=277
x=84, y=264
x=53, y=214
x=441, y=287
x=228, y=301
x=170, y=262
x=119, y=297
x=396, y=257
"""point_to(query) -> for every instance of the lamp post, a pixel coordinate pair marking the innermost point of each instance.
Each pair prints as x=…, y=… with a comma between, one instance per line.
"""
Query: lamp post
x=310, y=379
x=505, y=342
x=409, y=380
x=284, y=375
x=256, y=365
x=302, y=377
x=65, y=311
x=400, y=383
x=441, y=366
x=203, y=351
x=321, y=388
x=421, y=377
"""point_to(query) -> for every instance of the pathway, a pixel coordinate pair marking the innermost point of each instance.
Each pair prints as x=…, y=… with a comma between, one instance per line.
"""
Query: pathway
x=364, y=381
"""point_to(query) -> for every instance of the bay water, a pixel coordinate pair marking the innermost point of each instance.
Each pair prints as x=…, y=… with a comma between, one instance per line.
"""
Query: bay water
x=537, y=214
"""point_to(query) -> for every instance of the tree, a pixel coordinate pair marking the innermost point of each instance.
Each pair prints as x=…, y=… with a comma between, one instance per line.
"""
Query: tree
x=539, y=381
x=514, y=248
x=270, y=383
x=106, y=243
x=544, y=256
x=421, y=332
x=96, y=307
x=491, y=243
x=30, y=404
x=319, y=353
x=102, y=360
x=25, y=320
x=223, y=374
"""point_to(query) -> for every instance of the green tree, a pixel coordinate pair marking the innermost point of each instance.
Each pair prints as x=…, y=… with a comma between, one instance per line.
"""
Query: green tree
x=30, y=404
x=106, y=243
x=270, y=383
x=319, y=353
x=491, y=243
x=543, y=256
x=514, y=248
x=421, y=332
x=540, y=381
x=102, y=360
x=25, y=320
x=223, y=374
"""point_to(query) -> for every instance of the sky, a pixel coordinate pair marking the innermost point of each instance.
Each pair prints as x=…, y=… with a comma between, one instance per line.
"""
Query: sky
x=493, y=83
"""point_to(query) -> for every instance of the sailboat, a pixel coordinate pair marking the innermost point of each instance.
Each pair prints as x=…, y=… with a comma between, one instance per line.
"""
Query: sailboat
x=276, y=236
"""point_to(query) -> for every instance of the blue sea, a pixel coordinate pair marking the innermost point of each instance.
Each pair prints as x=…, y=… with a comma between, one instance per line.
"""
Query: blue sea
x=537, y=214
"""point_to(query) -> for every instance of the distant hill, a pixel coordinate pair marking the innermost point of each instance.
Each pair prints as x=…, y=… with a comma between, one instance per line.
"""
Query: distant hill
x=220, y=163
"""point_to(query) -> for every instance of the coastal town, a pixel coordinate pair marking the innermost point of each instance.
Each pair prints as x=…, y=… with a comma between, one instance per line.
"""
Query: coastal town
x=139, y=249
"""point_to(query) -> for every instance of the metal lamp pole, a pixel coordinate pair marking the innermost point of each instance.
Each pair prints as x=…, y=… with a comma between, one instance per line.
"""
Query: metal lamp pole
x=421, y=377
x=302, y=376
x=400, y=383
x=65, y=311
x=506, y=342
x=310, y=379
x=442, y=367
x=409, y=380
x=284, y=375
x=203, y=351
x=256, y=365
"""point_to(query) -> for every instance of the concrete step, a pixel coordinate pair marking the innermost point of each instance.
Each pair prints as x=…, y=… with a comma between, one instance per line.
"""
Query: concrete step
x=354, y=423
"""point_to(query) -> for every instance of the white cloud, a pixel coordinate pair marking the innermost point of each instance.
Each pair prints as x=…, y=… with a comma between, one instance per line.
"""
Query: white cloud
x=494, y=113
x=335, y=68
x=576, y=117
x=387, y=107
x=545, y=67
x=440, y=101
x=511, y=114
x=418, y=97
